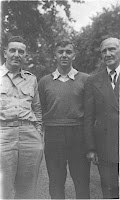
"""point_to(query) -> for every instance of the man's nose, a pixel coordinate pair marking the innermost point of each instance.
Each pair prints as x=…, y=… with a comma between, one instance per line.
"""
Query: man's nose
x=16, y=53
x=108, y=53
x=64, y=53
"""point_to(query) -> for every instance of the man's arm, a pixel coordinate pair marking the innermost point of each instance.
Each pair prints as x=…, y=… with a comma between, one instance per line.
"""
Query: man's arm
x=36, y=106
x=41, y=90
x=89, y=120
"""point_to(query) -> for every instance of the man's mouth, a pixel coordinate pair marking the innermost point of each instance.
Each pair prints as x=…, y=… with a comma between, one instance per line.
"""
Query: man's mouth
x=16, y=61
x=64, y=60
x=108, y=58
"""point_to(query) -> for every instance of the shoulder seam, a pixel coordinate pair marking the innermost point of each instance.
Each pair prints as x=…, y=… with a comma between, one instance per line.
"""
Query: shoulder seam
x=27, y=72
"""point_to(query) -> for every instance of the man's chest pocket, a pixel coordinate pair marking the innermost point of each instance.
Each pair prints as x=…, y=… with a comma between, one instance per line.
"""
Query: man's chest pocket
x=4, y=98
x=27, y=92
x=3, y=90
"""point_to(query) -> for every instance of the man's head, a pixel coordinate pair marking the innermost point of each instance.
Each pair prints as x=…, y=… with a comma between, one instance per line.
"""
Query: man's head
x=110, y=51
x=15, y=53
x=64, y=54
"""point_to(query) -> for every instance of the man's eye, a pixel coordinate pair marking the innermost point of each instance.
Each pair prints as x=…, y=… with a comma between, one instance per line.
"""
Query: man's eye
x=12, y=50
x=60, y=52
x=69, y=52
x=112, y=49
x=103, y=51
x=21, y=51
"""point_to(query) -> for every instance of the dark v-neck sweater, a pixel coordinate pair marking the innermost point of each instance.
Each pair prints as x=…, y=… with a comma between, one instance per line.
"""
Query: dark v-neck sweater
x=62, y=102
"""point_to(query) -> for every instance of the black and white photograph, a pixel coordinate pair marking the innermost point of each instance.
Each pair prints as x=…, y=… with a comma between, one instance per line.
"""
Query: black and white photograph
x=59, y=99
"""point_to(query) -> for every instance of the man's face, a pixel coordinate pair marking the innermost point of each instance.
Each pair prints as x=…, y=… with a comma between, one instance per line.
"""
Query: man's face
x=110, y=51
x=15, y=55
x=65, y=55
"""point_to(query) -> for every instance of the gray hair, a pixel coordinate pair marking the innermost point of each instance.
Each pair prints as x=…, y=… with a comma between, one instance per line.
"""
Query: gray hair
x=111, y=38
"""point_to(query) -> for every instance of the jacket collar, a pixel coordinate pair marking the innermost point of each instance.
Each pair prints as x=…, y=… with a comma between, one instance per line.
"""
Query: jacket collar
x=102, y=83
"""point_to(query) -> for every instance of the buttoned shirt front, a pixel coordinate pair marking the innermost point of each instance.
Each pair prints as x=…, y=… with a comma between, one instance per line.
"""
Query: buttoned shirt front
x=64, y=78
x=117, y=71
x=19, y=98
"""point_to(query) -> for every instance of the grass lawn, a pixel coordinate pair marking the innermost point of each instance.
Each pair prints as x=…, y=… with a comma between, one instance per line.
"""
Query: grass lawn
x=42, y=186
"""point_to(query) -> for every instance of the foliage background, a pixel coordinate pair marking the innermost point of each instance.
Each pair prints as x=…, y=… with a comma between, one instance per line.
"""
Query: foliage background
x=39, y=24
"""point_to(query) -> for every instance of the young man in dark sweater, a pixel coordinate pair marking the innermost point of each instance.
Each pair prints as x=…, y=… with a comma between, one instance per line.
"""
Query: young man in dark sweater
x=62, y=96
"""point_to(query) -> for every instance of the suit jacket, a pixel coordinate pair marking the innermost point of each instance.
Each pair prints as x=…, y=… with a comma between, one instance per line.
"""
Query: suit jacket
x=101, y=117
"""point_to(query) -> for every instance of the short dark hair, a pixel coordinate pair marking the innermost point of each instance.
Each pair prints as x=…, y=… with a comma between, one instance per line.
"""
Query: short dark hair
x=63, y=43
x=16, y=39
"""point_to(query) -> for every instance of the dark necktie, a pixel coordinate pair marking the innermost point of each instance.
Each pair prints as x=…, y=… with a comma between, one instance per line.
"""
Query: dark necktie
x=113, y=75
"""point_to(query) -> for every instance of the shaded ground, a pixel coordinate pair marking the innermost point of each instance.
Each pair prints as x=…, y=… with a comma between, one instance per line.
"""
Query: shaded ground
x=42, y=186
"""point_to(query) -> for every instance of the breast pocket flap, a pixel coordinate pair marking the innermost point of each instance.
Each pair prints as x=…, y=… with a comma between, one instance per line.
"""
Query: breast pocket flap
x=3, y=90
x=28, y=91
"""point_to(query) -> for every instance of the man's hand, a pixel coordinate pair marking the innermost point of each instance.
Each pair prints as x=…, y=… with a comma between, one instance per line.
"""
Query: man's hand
x=92, y=156
x=41, y=132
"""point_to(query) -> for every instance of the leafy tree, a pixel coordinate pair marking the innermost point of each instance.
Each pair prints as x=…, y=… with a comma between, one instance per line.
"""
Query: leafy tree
x=38, y=23
x=104, y=25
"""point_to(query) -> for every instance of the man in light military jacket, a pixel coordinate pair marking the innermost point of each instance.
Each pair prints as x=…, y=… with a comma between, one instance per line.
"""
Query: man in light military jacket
x=20, y=125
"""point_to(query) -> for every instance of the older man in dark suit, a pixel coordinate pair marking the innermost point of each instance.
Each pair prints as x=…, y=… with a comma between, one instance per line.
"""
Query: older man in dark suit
x=102, y=118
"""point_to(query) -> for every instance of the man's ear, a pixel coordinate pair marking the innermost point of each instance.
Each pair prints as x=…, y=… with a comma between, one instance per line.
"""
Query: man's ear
x=5, y=53
x=26, y=56
x=55, y=56
x=73, y=57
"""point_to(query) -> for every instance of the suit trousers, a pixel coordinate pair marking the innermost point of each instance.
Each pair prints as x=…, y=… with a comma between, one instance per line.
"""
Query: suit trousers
x=21, y=155
x=65, y=145
x=109, y=173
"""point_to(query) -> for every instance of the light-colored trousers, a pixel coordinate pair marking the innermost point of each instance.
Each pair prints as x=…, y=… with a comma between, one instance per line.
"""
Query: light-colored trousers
x=21, y=154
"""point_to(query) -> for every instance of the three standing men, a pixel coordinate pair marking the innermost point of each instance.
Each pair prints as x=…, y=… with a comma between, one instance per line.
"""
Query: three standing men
x=20, y=125
x=102, y=118
x=61, y=96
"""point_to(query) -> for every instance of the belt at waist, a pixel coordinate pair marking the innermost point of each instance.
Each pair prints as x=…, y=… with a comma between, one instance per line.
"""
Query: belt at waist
x=15, y=123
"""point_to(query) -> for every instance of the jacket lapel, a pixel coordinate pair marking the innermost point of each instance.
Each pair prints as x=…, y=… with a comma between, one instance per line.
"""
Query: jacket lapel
x=116, y=90
x=104, y=86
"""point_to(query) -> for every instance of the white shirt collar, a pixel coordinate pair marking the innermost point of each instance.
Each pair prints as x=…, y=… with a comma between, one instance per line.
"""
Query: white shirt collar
x=117, y=70
x=4, y=71
x=71, y=74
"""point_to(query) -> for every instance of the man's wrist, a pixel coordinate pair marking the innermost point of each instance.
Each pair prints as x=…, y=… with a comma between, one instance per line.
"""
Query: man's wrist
x=40, y=131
